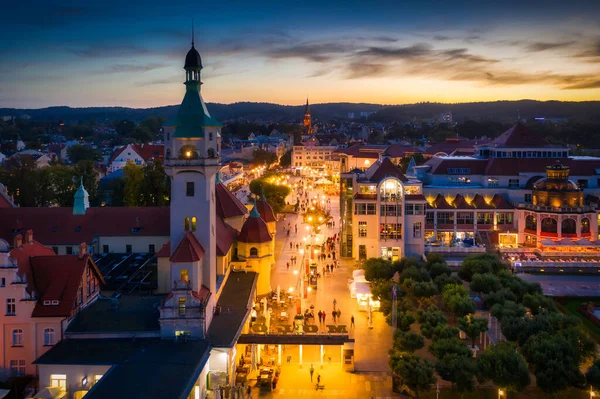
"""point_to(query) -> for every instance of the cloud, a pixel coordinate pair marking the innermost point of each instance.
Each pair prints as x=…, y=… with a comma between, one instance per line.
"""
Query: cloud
x=590, y=84
x=543, y=46
x=358, y=70
x=128, y=68
x=441, y=38
x=592, y=51
x=414, y=51
x=315, y=52
x=108, y=51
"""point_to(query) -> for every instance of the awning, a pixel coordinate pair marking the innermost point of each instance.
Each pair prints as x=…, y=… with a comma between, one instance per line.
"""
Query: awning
x=50, y=393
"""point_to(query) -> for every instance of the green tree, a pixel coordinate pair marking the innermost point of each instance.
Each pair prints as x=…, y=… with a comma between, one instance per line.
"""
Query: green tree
x=507, y=309
x=153, y=124
x=377, y=269
x=141, y=135
x=260, y=157
x=80, y=152
x=439, y=269
x=415, y=273
x=443, y=280
x=457, y=301
x=286, y=159
x=480, y=263
x=592, y=375
x=459, y=370
x=443, y=347
x=537, y=303
x=443, y=331
x=414, y=372
x=405, y=320
x=485, y=283
x=473, y=327
x=504, y=366
x=155, y=186
x=57, y=185
x=133, y=176
x=86, y=170
x=274, y=194
x=124, y=127
x=407, y=341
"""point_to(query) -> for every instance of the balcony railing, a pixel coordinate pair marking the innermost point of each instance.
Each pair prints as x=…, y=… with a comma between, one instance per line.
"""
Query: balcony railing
x=565, y=209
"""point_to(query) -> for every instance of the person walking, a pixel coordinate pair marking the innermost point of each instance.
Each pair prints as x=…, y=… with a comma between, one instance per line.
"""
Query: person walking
x=334, y=313
x=249, y=391
x=291, y=243
x=318, y=379
x=312, y=371
x=320, y=317
x=296, y=228
x=288, y=266
x=352, y=321
x=324, y=316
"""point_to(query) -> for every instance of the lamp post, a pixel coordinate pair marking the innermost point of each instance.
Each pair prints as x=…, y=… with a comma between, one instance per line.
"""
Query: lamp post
x=592, y=393
x=500, y=393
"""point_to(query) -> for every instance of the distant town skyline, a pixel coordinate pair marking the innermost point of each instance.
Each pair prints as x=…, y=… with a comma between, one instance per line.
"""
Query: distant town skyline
x=111, y=53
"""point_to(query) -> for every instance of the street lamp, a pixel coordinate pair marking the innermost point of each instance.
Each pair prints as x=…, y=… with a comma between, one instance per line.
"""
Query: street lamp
x=500, y=393
x=592, y=393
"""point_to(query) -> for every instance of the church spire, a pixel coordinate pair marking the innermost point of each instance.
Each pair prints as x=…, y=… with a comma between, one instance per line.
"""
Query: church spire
x=82, y=200
x=307, y=119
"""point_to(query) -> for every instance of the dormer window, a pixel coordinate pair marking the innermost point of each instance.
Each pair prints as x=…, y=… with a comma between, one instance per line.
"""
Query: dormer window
x=55, y=302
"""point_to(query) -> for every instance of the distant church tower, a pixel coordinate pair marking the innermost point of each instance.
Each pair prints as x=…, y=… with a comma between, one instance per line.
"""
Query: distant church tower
x=82, y=200
x=192, y=146
x=307, y=120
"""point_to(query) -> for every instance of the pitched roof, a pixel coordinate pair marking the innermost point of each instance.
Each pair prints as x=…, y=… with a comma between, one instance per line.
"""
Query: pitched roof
x=440, y=165
x=514, y=166
x=189, y=250
x=399, y=150
x=265, y=210
x=459, y=202
x=518, y=136
x=225, y=236
x=479, y=202
x=227, y=204
x=21, y=255
x=384, y=168
x=449, y=146
x=58, y=226
x=500, y=203
x=254, y=230
x=58, y=278
x=440, y=203
x=165, y=251
x=146, y=151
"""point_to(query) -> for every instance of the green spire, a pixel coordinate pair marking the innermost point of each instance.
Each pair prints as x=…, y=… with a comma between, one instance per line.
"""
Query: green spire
x=82, y=201
x=254, y=213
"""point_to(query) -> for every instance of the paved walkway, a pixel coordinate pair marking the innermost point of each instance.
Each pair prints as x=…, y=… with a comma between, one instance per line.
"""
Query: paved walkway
x=371, y=378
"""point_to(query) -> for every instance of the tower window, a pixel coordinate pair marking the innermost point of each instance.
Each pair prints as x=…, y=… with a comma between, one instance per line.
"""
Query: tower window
x=194, y=223
x=189, y=188
x=210, y=136
x=211, y=153
x=182, y=307
x=253, y=251
x=183, y=275
x=186, y=224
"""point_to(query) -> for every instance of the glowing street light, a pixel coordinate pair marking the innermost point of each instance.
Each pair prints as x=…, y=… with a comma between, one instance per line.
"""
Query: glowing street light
x=500, y=393
x=291, y=289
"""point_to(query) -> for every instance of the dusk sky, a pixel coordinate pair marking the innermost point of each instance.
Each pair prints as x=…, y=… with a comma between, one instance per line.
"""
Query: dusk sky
x=124, y=53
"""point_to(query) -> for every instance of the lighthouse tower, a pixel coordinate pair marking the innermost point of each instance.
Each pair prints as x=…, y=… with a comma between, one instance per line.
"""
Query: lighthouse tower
x=192, y=146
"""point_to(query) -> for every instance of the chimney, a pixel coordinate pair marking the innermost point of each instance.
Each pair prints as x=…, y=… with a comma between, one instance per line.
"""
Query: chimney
x=18, y=241
x=29, y=236
x=82, y=250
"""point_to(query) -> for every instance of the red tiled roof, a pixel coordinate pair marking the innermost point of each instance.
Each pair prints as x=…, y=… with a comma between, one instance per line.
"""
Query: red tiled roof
x=384, y=168
x=415, y=197
x=202, y=295
x=165, y=251
x=400, y=151
x=440, y=165
x=518, y=136
x=58, y=278
x=459, y=202
x=440, y=203
x=227, y=204
x=265, y=211
x=254, y=230
x=450, y=146
x=58, y=226
x=500, y=203
x=189, y=250
x=146, y=151
x=5, y=201
x=22, y=254
x=225, y=237
x=479, y=202
x=512, y=166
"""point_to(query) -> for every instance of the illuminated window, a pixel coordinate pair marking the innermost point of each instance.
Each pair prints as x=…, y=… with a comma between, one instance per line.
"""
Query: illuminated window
x=417, y=229
x=531, y=223
x=549, y=225
x=181, y=307
x=97, y=377
x=362, y=229
x=58, y=380
x=183, y=275
x=194, y=223
x=186, y=224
